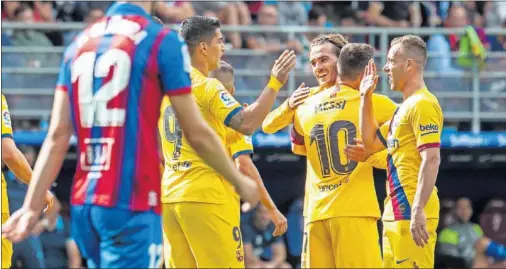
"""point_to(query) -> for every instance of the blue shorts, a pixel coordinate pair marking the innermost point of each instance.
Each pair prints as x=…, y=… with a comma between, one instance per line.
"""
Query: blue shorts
x=117, y=238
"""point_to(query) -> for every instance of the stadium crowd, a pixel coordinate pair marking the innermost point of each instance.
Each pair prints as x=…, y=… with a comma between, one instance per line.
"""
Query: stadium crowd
x=51, y=245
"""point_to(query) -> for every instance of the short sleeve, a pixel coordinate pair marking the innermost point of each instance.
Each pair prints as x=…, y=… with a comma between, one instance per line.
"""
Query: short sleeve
x=297, y=138
x=241, y=146
x=174, y=65
x=64, y=76
x=384, y=108
x=6, y=119
x=221, y=103
x=426, y=119
x=382, y=133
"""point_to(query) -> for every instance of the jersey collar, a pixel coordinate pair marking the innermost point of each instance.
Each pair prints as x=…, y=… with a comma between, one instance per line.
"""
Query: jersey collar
x=122, y=8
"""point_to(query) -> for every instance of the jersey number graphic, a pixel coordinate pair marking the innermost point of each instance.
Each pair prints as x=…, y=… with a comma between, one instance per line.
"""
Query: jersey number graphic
x=155, y=255
x=329, y=141
x=173, y=132
x=93, y=107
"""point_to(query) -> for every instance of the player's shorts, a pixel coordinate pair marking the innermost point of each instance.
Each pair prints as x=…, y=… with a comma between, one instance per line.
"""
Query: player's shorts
x=6, y=246
x=202, y=235
x=117, y=238
x=400, y=250
x=344, y=242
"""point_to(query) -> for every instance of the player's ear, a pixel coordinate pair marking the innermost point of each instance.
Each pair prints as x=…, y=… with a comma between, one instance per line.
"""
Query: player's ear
x=203, y=47
x=410, y=65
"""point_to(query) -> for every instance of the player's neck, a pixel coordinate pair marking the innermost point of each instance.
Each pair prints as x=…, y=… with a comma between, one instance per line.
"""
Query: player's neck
x=201, y=66
x=412, y=85
x=350, y=84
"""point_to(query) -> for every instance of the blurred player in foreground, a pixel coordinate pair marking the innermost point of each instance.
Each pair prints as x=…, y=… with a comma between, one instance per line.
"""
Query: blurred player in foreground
x=325, y=50
x=17, y=163
x=413, y=137
x=201, y=214
x=342, y=207
x=241, y=150
x=110, y=87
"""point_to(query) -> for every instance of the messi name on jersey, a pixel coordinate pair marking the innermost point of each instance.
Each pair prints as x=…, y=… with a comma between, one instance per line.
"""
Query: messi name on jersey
x=330, y=105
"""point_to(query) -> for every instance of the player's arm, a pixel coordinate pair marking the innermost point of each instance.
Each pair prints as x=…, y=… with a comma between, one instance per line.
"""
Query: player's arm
x=297, y=138
x=52, y=153
x=247, y=120
x=368, y=125
x=427, y=123
x=282, y=116
x=174, y=74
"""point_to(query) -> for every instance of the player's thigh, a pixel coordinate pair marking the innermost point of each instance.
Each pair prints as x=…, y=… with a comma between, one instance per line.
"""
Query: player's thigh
x=6, y=246
x=177, y=252
x=406, y=254
x=355, y=241
x=213, y=233
x=319, y=246
x=85, y=235
x=128, y=239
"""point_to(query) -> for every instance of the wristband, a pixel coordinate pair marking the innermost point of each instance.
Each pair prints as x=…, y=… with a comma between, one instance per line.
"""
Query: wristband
x=274, y=84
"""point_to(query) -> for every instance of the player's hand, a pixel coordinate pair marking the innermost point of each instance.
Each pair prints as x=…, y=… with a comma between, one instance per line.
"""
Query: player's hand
x=20, y=225
x=283, y=65
x=280, y=222
x=418, y=228
x=247, y=188
x=298, y=96
x=370, y=79
x=49, y=201
x=356, y=152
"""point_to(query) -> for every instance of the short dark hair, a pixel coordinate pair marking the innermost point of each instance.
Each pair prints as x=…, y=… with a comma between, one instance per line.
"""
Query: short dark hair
x=412, y=46
x=22, y=8
x=353, y=60
x=198, y=29
x=338, y=40
x=315, y=13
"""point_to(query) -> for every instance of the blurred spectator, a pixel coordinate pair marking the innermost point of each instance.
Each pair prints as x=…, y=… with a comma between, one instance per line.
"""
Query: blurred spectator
x=28, y=253
x=292, y=13
x=395, y=14
x=94, y=14
x=229, y=13
x=316, y=18
x=502, y=38
x=60, y=250
x=349, y=18
x=43, y=11
x=268, y=41
x=495, y=13
x=29, y=37
x=8, y=9
x=462, y=243
x=261, y=249
x=174, y=11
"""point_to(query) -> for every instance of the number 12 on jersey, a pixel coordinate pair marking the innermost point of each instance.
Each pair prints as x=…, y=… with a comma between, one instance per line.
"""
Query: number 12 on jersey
x=329, y=142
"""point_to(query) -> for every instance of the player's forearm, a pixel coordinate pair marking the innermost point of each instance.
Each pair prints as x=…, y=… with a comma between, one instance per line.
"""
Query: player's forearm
x=426, y=182
x=18, y=164
x=278, y=119
x=368, y=124
x=47, y=167
x=249, y=169
x=253, y=115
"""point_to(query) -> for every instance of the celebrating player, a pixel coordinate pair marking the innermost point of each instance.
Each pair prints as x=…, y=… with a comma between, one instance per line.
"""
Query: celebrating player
x=241, y=150
x=342, y=208
x=412, y=138
x=110, y=89
x=200, y=208
x=17, y=163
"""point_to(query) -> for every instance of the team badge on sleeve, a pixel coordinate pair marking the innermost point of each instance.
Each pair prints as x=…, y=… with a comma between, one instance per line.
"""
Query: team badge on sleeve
x=226, y=98
x=248, y=139
x=7, y=118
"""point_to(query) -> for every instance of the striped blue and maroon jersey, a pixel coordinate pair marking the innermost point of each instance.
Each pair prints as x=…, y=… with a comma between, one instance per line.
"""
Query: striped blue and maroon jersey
x=115, y=73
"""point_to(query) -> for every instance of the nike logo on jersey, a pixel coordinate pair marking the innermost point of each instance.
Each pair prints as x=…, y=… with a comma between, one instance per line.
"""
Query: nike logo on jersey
x=401, y=261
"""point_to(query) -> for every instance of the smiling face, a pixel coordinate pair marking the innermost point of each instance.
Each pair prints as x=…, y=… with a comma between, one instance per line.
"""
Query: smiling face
x=323, y=59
